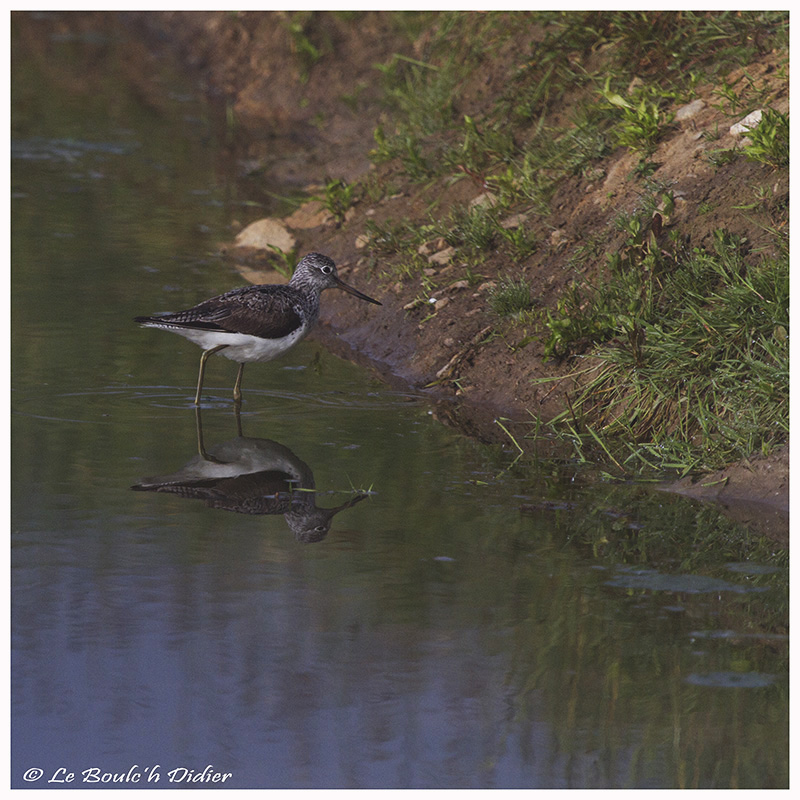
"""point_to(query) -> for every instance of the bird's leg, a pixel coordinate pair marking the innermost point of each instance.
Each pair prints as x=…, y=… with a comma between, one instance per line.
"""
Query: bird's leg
x=203, y=359
x=198, y=422
x=237, y=387
x=201, y=448
x=237, y=409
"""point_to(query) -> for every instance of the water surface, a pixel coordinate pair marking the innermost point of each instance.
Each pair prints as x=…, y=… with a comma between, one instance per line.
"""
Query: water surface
x=457, y=622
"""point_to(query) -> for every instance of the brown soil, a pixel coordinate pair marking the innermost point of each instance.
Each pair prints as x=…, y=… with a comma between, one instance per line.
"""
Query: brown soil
x=754, y=492
x=453, y=347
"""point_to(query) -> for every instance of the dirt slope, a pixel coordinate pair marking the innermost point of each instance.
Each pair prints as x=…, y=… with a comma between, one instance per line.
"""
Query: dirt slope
x=320, y=115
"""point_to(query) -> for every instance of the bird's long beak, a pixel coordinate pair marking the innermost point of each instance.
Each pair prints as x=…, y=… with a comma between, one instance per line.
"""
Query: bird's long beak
x=342, y=285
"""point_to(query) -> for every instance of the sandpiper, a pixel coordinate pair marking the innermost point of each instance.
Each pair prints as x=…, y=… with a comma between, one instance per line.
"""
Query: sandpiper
x=252, y=476
x=256, y=323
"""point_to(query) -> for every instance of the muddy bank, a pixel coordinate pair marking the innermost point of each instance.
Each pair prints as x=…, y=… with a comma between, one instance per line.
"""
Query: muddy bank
x=306, y=101
x=300, y=89
x=754, y=492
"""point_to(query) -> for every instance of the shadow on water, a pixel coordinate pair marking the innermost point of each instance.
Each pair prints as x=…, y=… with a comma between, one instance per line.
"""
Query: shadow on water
x=480, y=623
x=251, y=476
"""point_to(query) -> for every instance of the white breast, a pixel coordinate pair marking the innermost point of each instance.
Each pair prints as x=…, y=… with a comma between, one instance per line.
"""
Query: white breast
x=242, y=347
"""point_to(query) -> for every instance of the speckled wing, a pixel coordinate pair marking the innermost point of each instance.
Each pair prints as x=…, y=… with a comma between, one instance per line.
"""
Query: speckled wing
x=267, y=312
x=267, y=492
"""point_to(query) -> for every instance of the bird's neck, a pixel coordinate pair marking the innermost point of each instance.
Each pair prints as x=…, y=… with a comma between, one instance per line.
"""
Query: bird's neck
x=304, y=284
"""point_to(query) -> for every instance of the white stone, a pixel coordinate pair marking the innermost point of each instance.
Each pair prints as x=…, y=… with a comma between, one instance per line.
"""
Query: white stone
x=514, y=221
x=488, y=199
x=443, y=256
x=689, y=110
x=748, y=123
x=263, y=234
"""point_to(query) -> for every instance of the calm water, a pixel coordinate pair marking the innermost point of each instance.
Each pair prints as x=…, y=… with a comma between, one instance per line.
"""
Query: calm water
x=414, y=614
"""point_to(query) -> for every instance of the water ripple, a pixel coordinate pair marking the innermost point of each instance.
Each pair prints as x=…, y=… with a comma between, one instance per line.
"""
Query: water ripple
x=41, y=149
x=689, y=584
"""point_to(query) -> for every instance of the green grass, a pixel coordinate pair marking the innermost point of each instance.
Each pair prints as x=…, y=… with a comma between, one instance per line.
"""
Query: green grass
x=672, y=45
x=511, y=297
x=520, y=241
x=668, y=53
x=420, y=93
x=284, y=262
x=473, y=229
x=768, y=142
x=338, y=197
x=306, y=52
x=691, y=358
x=640, y=120
x=404, y=147
x=687, y=350
x=400, y=236
x=650, y=60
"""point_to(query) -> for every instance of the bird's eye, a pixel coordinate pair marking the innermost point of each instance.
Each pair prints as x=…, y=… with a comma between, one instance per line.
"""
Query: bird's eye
x=325, y=269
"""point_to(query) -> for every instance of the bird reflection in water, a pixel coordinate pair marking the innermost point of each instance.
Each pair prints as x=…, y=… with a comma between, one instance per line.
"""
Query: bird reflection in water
x=252, y=476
